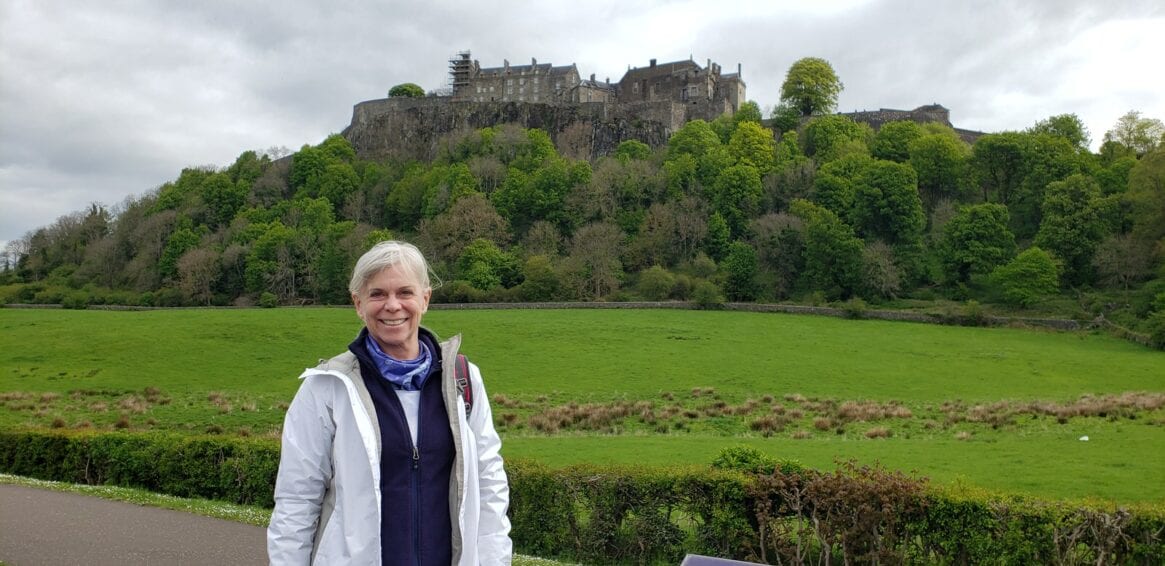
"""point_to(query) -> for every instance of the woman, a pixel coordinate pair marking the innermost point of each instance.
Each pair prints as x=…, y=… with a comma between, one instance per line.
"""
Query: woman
x=380, y=463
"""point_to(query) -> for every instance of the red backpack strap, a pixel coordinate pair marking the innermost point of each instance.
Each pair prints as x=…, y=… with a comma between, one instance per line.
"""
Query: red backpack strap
x=463, y=387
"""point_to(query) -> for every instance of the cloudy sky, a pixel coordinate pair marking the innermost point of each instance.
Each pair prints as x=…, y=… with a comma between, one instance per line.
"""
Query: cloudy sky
x=104, y=100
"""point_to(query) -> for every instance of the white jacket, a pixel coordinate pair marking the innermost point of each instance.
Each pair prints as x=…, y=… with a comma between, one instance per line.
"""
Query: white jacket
x=327, y=493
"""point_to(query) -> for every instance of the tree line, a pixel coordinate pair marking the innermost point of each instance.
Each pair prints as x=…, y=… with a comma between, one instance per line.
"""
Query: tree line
x=805, y=206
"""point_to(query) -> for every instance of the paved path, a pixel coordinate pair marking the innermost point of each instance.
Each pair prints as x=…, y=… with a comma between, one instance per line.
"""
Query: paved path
x=43, y=527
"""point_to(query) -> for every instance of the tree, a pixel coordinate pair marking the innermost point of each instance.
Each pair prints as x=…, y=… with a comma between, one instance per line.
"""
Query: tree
x=811, y=87
x=834, y=186
x=786, y=117
x=1142, y=135
x=940, y=161
x=1067, y=126
x=886, y=204
x=834, y=136
x=1031, y=276
x=1123, y=260
x=469, y=219
x=632, y=149
x=198, y=270
x=753, y=144
x=883, y=277
x=740, y=270
x=779, y=239
x=749, y=111
x=485, y=266
x=656, y=283
x=1072, y=226
x=406, y=90
x=593, y=268
x=1146, y=196
x=976, y=241
x=736, y=196
x=833, y=255
x=892, y=141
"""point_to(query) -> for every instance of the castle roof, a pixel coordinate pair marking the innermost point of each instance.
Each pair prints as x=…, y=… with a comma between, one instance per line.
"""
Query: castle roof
x=660, y=70
x=536, y=68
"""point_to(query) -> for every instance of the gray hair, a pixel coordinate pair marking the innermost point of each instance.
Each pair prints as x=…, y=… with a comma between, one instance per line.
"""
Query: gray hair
x=387, y=254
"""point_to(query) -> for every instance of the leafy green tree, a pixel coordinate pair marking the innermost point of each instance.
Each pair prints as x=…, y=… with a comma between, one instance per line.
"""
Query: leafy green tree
x=886, y=203
x=833, y=254
x=718, y=236
x=976, y=241
x=749, y=111
x=893, y=139
x=307, y=167
x=1072, y=225
x=338, y=182
x=698, y=140
x=940, y=161
x=223, y=198
x=1027, y=279
x=632, y=149
x=485, y=266
x=406, y=90
x=753, y=144
x=248, y=167
x=834, y=136
x=1141, y=135
x=1146, y=197
x=835, y=185
x=1067, y=126
x=740, y=271
x=180, y=241
x=736, y=196
x=540, y=281
x=337, y=147
x=779, y=239
x=999, y=163
x=656, y=283
x=786, y=117
x=811, y=86
x=1051, y=159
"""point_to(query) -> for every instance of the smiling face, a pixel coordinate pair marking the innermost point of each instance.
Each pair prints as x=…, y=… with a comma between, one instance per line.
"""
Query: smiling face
x=391, y=305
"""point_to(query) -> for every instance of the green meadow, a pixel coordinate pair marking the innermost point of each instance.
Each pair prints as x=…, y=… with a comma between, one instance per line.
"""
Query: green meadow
x=1000, y=408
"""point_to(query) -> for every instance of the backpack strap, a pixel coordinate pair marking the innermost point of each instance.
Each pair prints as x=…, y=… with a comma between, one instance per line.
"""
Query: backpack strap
x=462, y=376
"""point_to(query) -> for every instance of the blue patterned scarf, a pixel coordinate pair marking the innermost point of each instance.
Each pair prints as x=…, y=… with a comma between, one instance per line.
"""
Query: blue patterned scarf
x=409, y=375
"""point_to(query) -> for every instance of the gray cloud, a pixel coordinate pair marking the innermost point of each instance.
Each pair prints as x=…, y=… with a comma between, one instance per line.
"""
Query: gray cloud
x=103, y=100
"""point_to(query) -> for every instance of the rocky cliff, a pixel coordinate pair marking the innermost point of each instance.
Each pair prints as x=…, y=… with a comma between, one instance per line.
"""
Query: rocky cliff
x=411, y=128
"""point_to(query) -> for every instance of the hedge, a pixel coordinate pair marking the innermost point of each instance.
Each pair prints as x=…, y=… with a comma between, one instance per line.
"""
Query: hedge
x=628, y=515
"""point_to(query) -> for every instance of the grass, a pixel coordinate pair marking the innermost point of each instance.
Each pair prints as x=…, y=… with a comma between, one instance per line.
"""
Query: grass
x=239, y=513
x=1001, y=408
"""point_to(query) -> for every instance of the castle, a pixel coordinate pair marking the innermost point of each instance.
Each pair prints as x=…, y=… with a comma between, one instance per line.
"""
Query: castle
x=585, y=117
x=704, y=92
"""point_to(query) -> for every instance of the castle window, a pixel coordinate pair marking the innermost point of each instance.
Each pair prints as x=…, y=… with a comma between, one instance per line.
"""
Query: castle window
x=509, y=82
x=491, y=88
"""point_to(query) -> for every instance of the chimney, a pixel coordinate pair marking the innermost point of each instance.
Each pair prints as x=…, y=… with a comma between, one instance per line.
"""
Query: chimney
x=533, y=61
x=738, y=70
x=592, y=77
x=709, y=67
x=653, y=62
x=506, y=65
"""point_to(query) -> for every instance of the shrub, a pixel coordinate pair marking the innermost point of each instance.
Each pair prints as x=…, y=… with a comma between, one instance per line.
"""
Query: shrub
x=268, y=300
x=707, y=295
x=1156, y=327
x=1030, y=277
x=656, y=284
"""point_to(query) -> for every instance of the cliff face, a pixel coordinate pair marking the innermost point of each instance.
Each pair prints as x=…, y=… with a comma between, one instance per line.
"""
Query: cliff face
x=411, y=128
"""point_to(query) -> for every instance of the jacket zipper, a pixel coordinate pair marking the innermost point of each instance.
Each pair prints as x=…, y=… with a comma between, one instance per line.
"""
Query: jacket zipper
x=416, y=480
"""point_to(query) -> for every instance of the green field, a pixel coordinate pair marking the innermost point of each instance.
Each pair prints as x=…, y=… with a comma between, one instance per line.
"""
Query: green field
x=999, y=408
